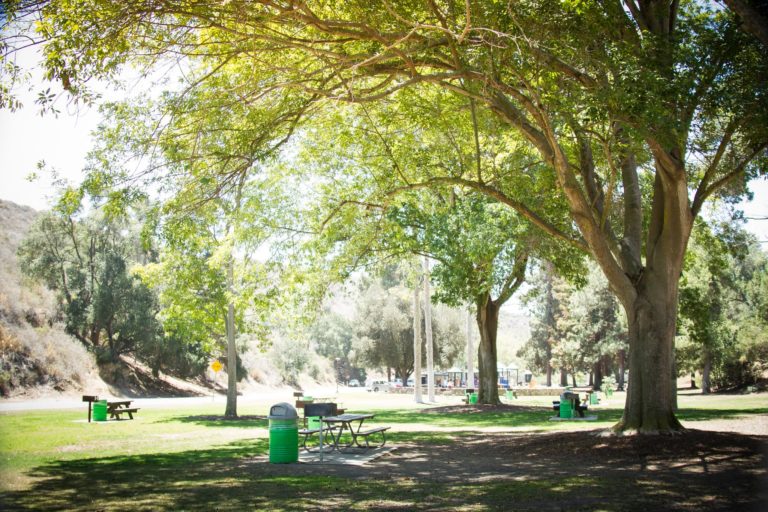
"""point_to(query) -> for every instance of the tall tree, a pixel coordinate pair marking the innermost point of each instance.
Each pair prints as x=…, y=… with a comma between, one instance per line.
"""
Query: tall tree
x=607, y=93
x=720, y=313
x=385, y=335
x=544, y=305
x=477, y=260
x=86, y=259
x=575, y=326
x=379, y=212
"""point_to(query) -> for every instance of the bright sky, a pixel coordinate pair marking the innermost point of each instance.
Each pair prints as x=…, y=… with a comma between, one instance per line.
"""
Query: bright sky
x=27, y=138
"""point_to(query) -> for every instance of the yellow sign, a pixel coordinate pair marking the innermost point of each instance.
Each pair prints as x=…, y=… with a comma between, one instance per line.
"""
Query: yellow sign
x=216, y=366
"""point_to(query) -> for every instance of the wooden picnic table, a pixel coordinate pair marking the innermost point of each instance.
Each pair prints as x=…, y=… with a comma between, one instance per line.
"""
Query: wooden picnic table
x=353, y=423
x=117, y=408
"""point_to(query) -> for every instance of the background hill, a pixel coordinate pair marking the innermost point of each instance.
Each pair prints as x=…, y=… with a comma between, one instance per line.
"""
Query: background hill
x=38, y=358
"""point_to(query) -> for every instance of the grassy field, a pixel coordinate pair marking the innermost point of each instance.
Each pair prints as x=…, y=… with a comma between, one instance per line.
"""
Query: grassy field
x=181, y=458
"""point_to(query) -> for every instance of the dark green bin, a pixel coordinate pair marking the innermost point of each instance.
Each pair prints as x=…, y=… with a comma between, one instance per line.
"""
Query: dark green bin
x=283, y=434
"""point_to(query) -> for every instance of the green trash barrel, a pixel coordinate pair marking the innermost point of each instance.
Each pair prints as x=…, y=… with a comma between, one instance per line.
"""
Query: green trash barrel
x=566, y=411
x=593, y=398
x=510, y=395
x=100, y=410
x=283, y=434
x=473, y=398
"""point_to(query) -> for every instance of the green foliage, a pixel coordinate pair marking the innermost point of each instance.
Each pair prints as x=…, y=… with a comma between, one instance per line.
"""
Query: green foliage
x=722, y=307
x=384, y=331
x=477, y=245
x=85, y=262
x=598, y=95
x=291, y=357
x=332, y=337
x=575, y=328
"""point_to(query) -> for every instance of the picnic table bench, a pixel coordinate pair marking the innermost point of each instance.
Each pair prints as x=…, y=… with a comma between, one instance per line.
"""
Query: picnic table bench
x=366, y=433
x=346, y=422
x=119, y=407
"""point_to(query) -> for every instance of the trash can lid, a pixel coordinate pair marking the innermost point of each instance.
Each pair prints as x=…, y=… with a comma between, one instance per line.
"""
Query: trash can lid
x=282, y=411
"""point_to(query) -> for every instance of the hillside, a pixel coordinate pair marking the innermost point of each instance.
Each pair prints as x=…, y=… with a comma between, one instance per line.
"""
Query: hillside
x=36, y=356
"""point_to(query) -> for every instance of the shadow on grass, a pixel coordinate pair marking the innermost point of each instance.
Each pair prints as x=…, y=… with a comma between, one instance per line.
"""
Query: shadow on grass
x=471, y=417
x=717, y=414
x=477, y=416
x=217, y=421
x=555, y=471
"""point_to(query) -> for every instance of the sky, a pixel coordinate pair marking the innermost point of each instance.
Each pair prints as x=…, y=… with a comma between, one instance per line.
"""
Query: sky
x=63, y=142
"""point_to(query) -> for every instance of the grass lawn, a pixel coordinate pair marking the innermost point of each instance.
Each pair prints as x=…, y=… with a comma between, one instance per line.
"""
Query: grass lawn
x=175, y=458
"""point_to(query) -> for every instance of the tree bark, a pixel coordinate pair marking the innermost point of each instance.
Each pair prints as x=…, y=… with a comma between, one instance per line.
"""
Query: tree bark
x=620, y=370
x=706, y=383
x=470, y=352
x=428, y=333
x=231, y=409
x=650, y=398
x=416, y=347
x=598, y=374
x=488, y=323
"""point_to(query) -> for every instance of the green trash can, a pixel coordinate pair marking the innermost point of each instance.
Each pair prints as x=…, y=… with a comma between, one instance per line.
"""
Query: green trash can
x=313, y=422
x=283, y=434
x=100, y=410
x=511, y=395
x=594, y=399
x=473, y=398
x=566, y=411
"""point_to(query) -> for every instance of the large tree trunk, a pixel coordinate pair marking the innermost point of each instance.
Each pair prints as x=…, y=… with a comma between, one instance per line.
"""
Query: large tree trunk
x=650, y=401
x=488, y=323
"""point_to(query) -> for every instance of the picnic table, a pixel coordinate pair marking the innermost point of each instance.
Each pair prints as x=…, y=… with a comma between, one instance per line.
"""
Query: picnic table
x=575, y=403
x=119, y=407
x=353, y=423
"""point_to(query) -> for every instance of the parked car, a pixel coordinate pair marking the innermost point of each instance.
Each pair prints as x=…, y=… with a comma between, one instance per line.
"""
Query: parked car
x=379, y=385
x=354, y=383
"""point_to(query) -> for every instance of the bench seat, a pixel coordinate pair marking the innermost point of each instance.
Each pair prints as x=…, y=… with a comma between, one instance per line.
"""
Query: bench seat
x=366, y=433
x=307, y=432
x=116, y=413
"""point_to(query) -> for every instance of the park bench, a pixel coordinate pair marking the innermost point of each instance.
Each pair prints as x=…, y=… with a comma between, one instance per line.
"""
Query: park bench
x=367, y=433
